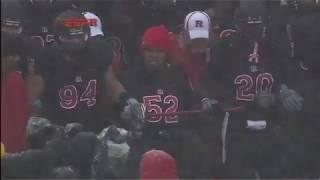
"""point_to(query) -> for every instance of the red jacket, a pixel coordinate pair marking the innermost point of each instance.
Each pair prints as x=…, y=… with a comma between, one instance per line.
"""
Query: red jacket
x=195, y=66
x=14, y=112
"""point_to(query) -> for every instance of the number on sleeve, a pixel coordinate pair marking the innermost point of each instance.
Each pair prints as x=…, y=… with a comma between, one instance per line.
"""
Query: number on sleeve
x=50, y=38
x=40, y=39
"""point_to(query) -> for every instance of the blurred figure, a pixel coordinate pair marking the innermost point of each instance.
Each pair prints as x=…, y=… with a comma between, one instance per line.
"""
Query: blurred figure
x=112, y=153
x=27, y=164
x=3, y=150
x=12, y=18
x=162, y=12
x=14, y=101
x=12, y=27
x=303, y=75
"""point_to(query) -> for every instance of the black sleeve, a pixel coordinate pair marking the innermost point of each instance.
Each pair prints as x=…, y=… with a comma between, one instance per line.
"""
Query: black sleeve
x=101, y=51
x=45, y=62
x=130, y=80
x=221, y=57
x=189, y=97
x=124, y=79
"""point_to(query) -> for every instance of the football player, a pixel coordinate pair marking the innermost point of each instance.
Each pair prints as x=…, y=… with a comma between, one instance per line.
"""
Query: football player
x=163, y=88
x=303, y=76
x=74, y=77
x=247, y=70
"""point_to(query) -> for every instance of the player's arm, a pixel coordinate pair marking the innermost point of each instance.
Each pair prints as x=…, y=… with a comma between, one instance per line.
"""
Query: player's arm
x=213, y=85
x=35, y=85
x=103, y=52
x=114, y=86
x=35, y=81
x=131, y=109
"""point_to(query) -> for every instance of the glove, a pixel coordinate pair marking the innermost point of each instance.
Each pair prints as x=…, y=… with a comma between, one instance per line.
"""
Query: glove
x=115, y=139
x=290, y=99
x=64, y=172
x=117, y=135
x=264, y=99
x=208, y=104
x=39, y=130
x=133, y=114
x=133, y=110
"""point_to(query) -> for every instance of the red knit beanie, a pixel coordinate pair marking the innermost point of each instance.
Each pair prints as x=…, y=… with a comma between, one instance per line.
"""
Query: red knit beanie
x=156, y=37
x=157, y=164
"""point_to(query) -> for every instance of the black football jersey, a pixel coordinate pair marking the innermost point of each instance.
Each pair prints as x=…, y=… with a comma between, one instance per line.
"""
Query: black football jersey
x=75, y=86
x=167, y=92
x=245, y=68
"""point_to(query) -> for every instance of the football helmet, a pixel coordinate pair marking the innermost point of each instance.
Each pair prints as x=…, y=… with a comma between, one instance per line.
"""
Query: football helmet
x=72, y=30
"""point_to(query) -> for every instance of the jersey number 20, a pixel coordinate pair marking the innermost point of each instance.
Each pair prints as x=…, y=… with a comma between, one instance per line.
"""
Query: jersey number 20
x=69, y=95
x=245, y=83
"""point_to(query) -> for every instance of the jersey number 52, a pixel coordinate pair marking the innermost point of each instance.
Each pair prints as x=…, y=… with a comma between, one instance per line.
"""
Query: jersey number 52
x=69, y=96
x=153, y=108
x=245, y=84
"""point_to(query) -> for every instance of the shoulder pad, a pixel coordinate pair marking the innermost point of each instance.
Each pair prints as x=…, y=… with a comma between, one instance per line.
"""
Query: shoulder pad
x=118, y=47
x=226, y=33
x=115, y=41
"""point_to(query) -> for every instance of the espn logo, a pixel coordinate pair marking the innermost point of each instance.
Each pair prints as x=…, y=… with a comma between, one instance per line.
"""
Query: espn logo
x=71, y=23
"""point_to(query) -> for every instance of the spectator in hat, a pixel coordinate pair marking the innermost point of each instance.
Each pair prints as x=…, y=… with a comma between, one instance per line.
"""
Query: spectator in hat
x=190, y=48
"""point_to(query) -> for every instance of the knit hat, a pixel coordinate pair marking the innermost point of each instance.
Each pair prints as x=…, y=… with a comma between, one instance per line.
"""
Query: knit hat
x=157, y=164
x=156, y=37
